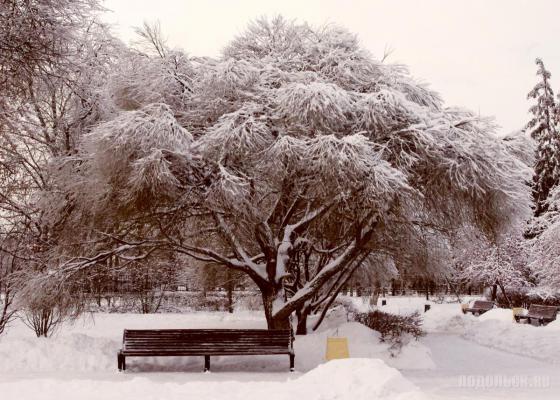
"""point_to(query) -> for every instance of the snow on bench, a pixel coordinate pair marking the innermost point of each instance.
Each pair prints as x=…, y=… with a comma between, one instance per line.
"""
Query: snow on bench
x=204, y=342
x=539, y=313
x=479, y=307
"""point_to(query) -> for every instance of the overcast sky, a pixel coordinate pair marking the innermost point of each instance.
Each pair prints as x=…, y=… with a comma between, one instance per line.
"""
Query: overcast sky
x=478, y=54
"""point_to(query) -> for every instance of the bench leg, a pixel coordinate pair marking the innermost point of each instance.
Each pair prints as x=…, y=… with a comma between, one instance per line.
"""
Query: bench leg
x=206, y=363
x=121, y=361
x=292, y=362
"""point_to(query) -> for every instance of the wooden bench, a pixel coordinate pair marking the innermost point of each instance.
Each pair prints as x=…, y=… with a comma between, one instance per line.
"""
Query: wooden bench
x=479, y=307
x=539, y=313
x=204, y=342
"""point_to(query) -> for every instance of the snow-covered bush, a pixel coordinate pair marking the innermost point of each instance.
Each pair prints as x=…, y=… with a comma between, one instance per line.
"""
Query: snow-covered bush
x=393, y=328
x=45, y=312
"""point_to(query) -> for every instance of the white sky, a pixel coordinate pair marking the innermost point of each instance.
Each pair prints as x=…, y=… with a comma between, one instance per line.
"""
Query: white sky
x=478, y=54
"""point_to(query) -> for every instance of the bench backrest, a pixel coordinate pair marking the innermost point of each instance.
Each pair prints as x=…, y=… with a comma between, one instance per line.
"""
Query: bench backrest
x=207, y=341
x=483, y=304
x=543, y=311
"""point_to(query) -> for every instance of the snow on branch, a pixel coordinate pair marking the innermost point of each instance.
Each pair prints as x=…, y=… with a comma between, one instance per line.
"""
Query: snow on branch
x=321, y=106
x=130, y=153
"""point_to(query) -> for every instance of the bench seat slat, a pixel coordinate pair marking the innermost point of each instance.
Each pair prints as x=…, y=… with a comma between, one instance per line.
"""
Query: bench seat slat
x=204, y=331
x=203, y=347
x=182, y=345
x=200, y=353
x=194, y=342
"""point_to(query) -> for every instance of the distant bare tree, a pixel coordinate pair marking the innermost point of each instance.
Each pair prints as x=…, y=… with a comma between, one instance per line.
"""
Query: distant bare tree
x=8, y=268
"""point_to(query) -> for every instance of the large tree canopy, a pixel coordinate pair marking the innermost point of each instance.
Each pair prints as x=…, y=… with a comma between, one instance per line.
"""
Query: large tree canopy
x=295, y=158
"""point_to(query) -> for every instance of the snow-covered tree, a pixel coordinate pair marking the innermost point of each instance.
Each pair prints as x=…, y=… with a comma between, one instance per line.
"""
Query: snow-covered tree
x=545, y=254
x=9, y=267
x=521, y=145
x=503, y=265
x=40, y=123
x=35, y=37
x=295, y=159
x=543, y=128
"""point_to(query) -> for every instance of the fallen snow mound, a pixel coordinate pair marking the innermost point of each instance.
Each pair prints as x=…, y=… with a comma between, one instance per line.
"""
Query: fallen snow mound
x=74, y=352
x=95, y=351
x=363, y=342
x=541, y=343
x=357, y=378
x=447, y=318
x=352, y=379
x=497, y=314
x=497, y=329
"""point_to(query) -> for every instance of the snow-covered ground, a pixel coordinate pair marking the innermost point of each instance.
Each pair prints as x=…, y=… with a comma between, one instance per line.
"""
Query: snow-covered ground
x=488, y=357
x=461, y=357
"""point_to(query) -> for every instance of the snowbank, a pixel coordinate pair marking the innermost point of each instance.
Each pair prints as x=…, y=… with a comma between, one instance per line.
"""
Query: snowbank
x=91, y=345
x=76, y=352
x=496, y=329
x=362, y=343
x=542, y=343
x=497, y=314
x=447, y=318
x=356, y=379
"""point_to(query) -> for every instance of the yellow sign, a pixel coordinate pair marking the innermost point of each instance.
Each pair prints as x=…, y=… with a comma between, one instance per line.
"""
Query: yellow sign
x=337, y=347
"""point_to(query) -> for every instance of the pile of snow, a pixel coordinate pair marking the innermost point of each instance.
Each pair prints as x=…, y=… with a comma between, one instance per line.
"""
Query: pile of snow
x=356, y=379
x=362, y=343
x=542, y=343
x=497, y=314
x=91, y=345
x=75, y=352
x=497, y=329
x=447, y=318
x=359, y=379
x=357, y=303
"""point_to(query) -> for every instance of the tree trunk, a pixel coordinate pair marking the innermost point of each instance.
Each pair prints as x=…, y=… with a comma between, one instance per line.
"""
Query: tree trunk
x=302, y=320
x=504, y=293
x=268, y=296
x=494, y=292
x=229, y=288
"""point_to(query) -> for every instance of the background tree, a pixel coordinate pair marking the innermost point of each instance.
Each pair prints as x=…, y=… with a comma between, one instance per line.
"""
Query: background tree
x=545, y=255
x=9, y=267
x=504, y=265
x=45, y=106
x=35, y=37
x=544, y=129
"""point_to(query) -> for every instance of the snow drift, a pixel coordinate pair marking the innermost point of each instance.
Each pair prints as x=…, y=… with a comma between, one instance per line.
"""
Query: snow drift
x=86, y=347
x=356, y=379
x=496, y=329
